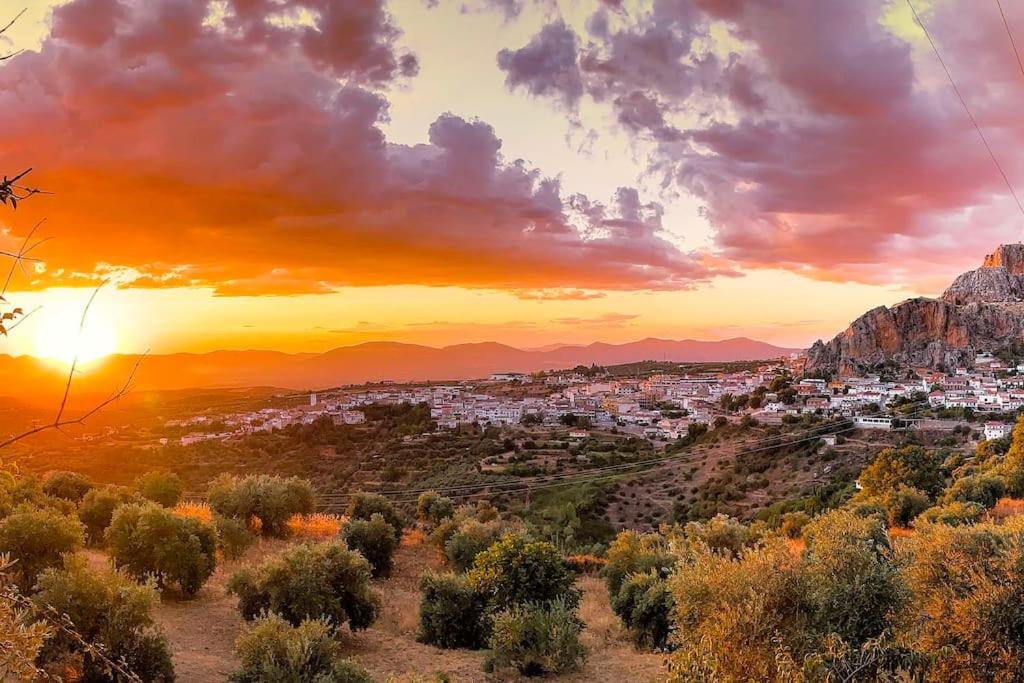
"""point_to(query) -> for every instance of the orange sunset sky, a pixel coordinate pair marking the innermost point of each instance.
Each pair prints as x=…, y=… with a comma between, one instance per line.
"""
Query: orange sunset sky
x=304, y=175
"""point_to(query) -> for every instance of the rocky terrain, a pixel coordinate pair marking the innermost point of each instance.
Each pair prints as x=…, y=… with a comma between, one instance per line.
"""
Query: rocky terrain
x=983, y=310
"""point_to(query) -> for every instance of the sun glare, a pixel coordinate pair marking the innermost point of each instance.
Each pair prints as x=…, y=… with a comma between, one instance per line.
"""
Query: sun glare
x=58, y=336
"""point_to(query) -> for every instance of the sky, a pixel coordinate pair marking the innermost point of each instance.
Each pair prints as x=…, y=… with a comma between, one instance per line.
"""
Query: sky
x=301, y=175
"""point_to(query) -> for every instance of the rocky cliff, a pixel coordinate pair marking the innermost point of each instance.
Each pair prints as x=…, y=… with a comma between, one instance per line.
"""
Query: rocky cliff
x=983, y=310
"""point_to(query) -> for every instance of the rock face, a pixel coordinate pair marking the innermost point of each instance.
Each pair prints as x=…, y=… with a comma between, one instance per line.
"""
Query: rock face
x=983, y=310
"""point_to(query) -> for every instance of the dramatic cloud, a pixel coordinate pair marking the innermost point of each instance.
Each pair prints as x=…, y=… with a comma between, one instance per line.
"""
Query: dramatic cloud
x=238, y=145
x=821, y=137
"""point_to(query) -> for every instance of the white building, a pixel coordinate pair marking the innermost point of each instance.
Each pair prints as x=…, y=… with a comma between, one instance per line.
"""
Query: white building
x=997, y=430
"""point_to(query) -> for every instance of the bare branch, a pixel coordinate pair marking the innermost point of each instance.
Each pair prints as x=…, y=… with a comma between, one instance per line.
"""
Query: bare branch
x=11, y=22
x=57, y=424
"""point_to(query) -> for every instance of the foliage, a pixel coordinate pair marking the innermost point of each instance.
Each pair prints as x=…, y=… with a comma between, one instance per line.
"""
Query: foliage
x=109, y=610
x=23, y=637
x=375, y=539
x=160, y=486
x=753, y=616
x=320, y=581
x=67, y=485
x=471, y=538
x=274, y=651
x=793, y=524
x=147, y=539
x=316, y=525
x=644, y=603
x=97, y=508
x=635, y=553
x=433, y=508
x=515, y=571
x=452, y=612
x=968, y=586
x=272, y=500
x=953, y=514
x=912, y=466
x=233, y=536
x=903, y=504
x=35, y=539
x=365, y=505
x=538, y=638
x=984, y=489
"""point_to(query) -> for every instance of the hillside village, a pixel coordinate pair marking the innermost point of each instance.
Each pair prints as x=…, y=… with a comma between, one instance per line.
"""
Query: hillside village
x=660, y=406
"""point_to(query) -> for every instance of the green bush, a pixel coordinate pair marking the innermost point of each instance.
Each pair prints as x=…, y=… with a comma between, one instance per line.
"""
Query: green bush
x=321, y=581
x=452, y=612
x=793, y=524
x=432, y=508
x=903, y=505
x=538, y=639
x=97, y=508
x=36, y=539
x=375, y=539
x=633, y=552
x=233, y=536
x=109, y=610
x=147, y=539
x=365, y=505
x=161, y=487
x=272, y=500
x=67, y=485
x=471, y=538
x=911, y=466
x=274, y=651
x=983, y=489
x=953, y=514
x=644, y=603
x=515, y=571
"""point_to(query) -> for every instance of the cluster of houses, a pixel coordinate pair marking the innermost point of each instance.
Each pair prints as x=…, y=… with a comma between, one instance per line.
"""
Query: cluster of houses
x=661, y=406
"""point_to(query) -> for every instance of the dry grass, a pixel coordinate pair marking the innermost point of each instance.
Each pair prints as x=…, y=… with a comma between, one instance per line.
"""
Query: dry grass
x=318, y=525
x=192, y=510
x=586, y=564
x=796, y=546
x=1006, y=508
x=900, y=532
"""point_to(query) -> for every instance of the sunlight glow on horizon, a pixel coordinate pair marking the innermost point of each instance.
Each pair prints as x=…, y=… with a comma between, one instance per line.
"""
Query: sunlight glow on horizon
x=59, y=338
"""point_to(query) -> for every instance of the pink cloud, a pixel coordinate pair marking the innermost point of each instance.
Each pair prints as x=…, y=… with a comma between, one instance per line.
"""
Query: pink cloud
x=823, y=145
x=244, y=152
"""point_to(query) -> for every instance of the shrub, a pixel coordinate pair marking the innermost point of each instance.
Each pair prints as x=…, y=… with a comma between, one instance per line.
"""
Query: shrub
x=633, y=552
x=537, y=638
x=432, y=508
x=273, y=651
x=36, y=539
x=109, y=610
x=968, y=584
x=983, y=489
x=644, y=603
x=148, y=539
x=953, y=514
x=452, y=612
x=515, y=571
x=911, y=465
x=375, y=539
x=321, y=581
x=271, y=500
x=469, y=540
x=365, y=505
x=161, y=487
x=97, y=509
x=233, y=536
x=793, y=524
x=67, y=485
x=903, y=505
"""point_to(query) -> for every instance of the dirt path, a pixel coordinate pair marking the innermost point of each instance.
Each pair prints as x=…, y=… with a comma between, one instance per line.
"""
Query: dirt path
x=202, y=631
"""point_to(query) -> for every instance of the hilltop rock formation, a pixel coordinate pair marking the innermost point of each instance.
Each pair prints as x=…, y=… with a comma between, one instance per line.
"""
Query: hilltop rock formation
x=983, y=310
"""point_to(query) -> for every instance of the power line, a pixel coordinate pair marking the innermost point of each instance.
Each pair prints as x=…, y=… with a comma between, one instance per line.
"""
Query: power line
x=1009, y=34
x=967, y=109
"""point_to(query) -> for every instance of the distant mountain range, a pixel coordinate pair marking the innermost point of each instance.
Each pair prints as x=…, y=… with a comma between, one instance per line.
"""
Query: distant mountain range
x=369, y=362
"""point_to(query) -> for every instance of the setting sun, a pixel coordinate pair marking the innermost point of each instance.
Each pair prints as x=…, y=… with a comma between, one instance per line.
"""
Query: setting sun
x=59, y=338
